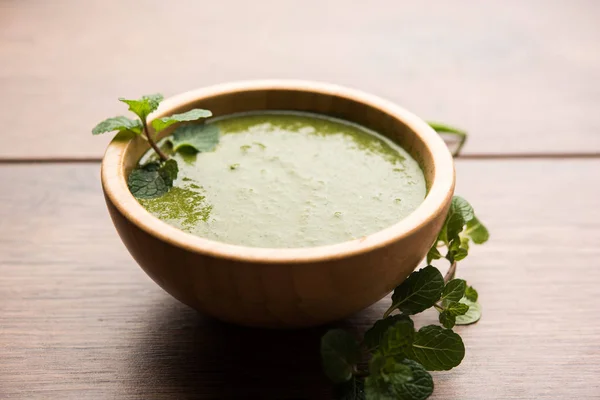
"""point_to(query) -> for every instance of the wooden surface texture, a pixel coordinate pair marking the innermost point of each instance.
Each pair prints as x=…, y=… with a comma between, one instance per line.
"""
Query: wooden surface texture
x=80, y=320
x=522, y=76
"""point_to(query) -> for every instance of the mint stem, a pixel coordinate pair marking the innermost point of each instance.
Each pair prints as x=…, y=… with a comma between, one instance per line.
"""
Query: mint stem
x=451, y=272
x=389, y=311
x=157, y=149
x=438, y=307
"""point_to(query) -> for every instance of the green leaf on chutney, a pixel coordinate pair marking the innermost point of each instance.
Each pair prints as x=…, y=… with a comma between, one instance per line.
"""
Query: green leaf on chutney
x=119, y=124
x=197, y=137
x=152, y=180
x=160, y=124
x=339, y=353
x=437, y=349
x=419, y=291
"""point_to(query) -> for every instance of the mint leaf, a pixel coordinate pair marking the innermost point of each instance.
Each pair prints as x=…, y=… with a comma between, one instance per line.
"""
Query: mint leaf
x=162, y=123
x=120, y=124
x=398, y=380
x=387, y=373
x=398, y=338
x=460, y=254
x=152, y=180
x=199, y=137
x=456, y=251
x=454, y=290
x=143, y=106
x=447, y=319
x=354, y=389
x=471, y=294
x=339, y=353
x=374, y=335
x=472, y=315
x=459, y=214
x=377, y=389
x=456, y=308
x=476, y=231
x=169, y=171
x=419, y=387
x=436, y=348
x=433, y=253
x=418, y=292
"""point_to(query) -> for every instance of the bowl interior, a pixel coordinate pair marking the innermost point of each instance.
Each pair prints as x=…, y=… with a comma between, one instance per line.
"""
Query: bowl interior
x=413, y=134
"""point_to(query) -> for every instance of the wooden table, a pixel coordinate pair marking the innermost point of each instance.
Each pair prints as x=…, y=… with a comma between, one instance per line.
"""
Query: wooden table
x=79, y=319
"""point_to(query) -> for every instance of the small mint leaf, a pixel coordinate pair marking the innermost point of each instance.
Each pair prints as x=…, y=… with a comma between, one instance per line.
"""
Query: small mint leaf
x=169, y=171
x=153, y=179
x=373, y=336
x=471, y=294
x=460, y=254
x=464, y=243
x=198, y=137
x=455, y=251
x=476, y=231
x=418, y=292
x=472, y=315
x=339, y=353
x=162, y=123
x=459, y=214
x=398, y=338
x=454, y=290
x=120, y=124
x=447, y=319
x=398, y=380
x=145, y=105
x=433, y=253
x=436, y=348
x=457, y=308
x=354, y=389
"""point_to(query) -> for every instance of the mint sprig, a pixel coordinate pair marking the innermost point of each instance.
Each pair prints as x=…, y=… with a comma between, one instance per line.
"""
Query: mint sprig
x=398, y=355
x=156, y=178
x=392, y=342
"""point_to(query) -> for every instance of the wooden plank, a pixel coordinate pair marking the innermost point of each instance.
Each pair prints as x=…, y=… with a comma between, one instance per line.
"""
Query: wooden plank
x=79, y=320
x=510, y=72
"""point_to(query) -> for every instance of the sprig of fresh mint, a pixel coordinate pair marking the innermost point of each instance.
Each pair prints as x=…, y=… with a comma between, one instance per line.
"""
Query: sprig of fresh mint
x=399, y=357
x=156, y=178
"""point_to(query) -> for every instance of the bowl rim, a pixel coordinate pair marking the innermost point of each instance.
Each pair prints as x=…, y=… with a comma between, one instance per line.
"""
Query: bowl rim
x=115, y=188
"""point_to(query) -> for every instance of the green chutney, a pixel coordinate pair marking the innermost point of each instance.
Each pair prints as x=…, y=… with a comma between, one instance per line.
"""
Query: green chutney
x=286, y=179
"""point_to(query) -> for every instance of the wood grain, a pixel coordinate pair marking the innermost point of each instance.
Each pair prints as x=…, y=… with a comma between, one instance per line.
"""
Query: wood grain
x=510, y=72
x=79, y=320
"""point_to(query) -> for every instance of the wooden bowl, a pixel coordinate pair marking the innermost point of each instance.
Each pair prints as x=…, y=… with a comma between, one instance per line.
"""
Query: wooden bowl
x=283, y=287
